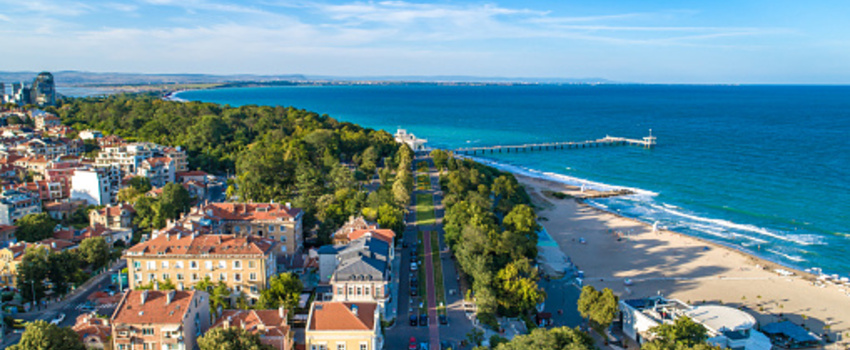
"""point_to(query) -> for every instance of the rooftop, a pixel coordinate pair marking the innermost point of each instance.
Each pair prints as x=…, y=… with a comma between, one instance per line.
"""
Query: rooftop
x=196, y=244
x=151, y=306
x=342, y=316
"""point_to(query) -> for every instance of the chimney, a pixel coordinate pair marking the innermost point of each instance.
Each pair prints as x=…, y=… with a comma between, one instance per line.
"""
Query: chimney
x=242, y=323
x=169, y=297
x=261, y=327
x=281, y=312
x=288, y=205
x=226, y=322
x=354, y=309
x=144, y=296
x=53, y=245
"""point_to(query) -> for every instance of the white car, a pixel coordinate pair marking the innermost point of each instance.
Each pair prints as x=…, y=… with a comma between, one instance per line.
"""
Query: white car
x=413, y=266
x=58, y=319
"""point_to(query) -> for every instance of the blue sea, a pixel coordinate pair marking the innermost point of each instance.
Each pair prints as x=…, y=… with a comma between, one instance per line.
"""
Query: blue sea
x=765, y=169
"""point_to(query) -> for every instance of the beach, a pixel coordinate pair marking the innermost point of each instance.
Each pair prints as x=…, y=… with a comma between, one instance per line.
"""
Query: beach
x=610, y=248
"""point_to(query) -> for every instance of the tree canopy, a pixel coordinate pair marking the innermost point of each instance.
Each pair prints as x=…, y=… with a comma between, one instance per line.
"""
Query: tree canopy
x=40, y=335
x=560, y=338
x=94, y=251
x=284, y=290
x=231, y=339
x=598, y=307
x=35, y=227
x=682, y=334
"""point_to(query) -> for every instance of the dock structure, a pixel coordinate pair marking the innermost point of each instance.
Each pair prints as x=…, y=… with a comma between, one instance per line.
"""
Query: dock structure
x=646, y=142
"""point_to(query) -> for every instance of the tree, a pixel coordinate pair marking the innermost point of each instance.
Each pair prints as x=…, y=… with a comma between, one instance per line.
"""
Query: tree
x=94, y=251
x=175, y=200
x=233, y=338
x=284, y=290
x=684, y=333
x=40, y=335
x=518, y=290
x=440, y=158
x=561, y=338
x=129, y=195
x=401, y=193
x=475, y=336
x=31, y=274
x=598, y=307
x=140, y=184
x=35, y=227
x=392, y=218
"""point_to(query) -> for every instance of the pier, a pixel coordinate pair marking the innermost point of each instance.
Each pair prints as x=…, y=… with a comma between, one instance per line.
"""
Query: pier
x=646, y=142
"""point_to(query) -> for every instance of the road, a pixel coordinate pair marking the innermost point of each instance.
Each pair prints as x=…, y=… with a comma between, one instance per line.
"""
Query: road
x=69, y=306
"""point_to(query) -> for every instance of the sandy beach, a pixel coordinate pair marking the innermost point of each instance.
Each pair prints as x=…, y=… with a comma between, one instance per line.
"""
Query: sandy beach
x=682, y=267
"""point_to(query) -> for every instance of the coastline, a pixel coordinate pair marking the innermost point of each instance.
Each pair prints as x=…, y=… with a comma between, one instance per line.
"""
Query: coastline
x=681, y=266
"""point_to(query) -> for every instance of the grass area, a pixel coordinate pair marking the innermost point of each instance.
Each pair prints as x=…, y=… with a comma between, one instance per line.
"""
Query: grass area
x=425, y=209
x=423, y=182
x=439, y=286
x=420, y=253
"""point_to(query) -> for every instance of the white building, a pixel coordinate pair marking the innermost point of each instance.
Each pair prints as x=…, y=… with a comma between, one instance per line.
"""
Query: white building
x=401, y=136
x=16, y=204
x=91, y=186
x=727, y=327
x=90, y=134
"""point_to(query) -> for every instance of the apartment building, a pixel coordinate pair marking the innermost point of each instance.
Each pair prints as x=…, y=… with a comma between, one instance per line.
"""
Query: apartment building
x=119, y=216
x=343, y=326
x=46, y=120
x=95, y=186
x=363, y=272
x=16, y=204
x=245, y=264
x=126, y=157
x=160, y=170
x=181, y=162
x=168, y=320
x=279, y=222
x=270, y=325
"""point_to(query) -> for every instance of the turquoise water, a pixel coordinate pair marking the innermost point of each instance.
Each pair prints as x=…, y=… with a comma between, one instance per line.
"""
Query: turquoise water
x=765, y=169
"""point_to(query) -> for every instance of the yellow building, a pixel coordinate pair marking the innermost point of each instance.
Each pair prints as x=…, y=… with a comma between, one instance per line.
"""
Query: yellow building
x=343, y=326
x=10, y=258
x=280, y=222
x=149, y=320
x=245, y=264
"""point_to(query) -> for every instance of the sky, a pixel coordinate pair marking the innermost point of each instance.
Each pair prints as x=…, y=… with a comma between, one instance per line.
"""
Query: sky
x=647, y=41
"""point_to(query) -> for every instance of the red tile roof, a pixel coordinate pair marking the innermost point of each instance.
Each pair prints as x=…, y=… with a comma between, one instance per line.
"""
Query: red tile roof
x=190, y=173
x=338, y=316
x=252, y=211
x=274, y=321
x=6, y=228
x=88, y=326
x=382, y=234
x=115, y=210
x=186, y=244
x=155, y=308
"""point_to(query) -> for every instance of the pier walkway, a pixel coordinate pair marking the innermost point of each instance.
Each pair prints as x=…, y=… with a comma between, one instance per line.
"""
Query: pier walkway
x=646, y=142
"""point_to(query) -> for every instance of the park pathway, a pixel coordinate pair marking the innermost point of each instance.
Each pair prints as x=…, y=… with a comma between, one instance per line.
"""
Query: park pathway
x=433, y=323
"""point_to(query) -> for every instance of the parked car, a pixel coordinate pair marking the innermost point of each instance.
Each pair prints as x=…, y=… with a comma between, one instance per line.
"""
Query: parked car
x=413, y=320
x=414, y=266
x=444, y=320
x=414, y=291
x=423, y=320
x=445, y=345
x=58, y=319
x=412, y=345
x=88, y=306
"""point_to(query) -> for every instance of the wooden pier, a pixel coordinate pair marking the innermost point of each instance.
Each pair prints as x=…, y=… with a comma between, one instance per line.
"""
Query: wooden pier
x=646, y=142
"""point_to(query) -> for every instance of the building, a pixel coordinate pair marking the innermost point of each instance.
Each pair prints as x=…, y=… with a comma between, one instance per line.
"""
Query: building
x=415, y=144
x=353, y=224
x=44, y=90
x=117, y=217
x=93, y=186
x=362, y=272
x=93, y=331
x=340, y=325
x=61, y=211
x=190, y=176
x=151, y=319
x=280, y=222
x=90, y=134
x=160, y=170
x=181, y=162
x=46, y=121
x=10, y=257
x=7, y=235
x=16, y=204
x=245, y=264
x=125, y=157
x=727, y=327
x=270, y=325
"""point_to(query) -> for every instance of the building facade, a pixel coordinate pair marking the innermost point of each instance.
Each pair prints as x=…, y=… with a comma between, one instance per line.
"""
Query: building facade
x=168, y=320
x=95, y=186
x=279, y=222
x=244, y=264
x=270, y=325
x=17, y=204
x=341, y=325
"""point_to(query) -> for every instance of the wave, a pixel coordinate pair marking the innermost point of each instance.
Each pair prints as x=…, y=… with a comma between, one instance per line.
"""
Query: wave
x=793, y=258
x=559, y=178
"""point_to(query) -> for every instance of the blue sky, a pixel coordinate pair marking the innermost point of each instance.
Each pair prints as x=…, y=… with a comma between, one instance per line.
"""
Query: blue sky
x=632, y=41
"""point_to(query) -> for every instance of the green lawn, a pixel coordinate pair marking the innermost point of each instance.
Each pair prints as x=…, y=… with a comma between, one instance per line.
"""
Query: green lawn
x=439, y=288
x=423, y=182
x=425, y=209
x=420, y=253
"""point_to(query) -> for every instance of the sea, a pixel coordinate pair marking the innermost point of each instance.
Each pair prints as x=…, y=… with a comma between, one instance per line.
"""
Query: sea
x=764, y=169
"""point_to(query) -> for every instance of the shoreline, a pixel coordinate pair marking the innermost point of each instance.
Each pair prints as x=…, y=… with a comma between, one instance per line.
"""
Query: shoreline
x=692, y=269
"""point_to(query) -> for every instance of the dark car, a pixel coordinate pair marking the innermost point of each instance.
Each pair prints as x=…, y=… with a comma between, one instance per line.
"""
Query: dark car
x=443, y=319
x=423, y=320
x=413, y=320
x=413, y=292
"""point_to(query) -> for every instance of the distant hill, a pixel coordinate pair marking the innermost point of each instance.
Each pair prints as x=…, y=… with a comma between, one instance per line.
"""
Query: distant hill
x=91, y=79
x=77, y=78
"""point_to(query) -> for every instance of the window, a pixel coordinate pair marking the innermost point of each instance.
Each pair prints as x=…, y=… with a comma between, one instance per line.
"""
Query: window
x=164, y=265
x=237, y=277
x=222, y=264
x=364, y=346
x=137, y=278
x=271, y=228
x=151, y=277
x=137, y=264
x=318, y=347
x=194, y=277
x=166, y=276
x=283, y=239
x=252, y=264
x=253, y=289
x=350, y=290
x=222, y=277
x=236, y=229
x=151, y=265
x=237, y=289
x=147, y=331
x=193, y=265
x=282, y=228
x=366, y=290
x=178, y=264
x=237, y=264
x=209, y=265
x=252, y=276
x=359, y=291
x=179, y=276
x=209, y=275
x=340, y=291
x=340, y=346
